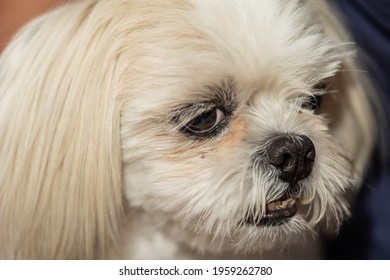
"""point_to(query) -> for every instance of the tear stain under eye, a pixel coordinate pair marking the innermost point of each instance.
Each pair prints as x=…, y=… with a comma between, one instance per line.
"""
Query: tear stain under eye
x=236, y=133
x=193, y=150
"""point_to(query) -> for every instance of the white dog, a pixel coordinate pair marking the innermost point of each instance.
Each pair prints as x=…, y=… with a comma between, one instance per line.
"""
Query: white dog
x=179, y=129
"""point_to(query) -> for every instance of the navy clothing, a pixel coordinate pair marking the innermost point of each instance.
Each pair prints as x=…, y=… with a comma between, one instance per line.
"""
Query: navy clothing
x=369, y=22
x=367, y=234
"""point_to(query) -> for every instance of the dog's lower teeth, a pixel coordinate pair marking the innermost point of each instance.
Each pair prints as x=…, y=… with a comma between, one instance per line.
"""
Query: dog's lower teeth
x=280, y=204
x=277, y=213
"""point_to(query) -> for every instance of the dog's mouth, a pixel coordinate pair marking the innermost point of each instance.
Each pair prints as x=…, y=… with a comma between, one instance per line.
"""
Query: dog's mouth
x=277, y=212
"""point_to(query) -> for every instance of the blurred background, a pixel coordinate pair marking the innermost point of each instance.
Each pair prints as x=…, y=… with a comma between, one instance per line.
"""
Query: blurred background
x=15, y=13
x=367, y=234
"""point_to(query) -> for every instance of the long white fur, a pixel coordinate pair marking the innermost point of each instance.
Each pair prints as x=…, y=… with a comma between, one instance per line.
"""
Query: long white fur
x=92, y=167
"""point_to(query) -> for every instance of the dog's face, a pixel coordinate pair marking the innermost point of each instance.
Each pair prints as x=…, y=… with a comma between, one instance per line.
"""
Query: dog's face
x=229, y=136
x=233, y=125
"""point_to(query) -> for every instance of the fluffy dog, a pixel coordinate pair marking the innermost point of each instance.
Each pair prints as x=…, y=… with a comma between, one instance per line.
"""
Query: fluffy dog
x=179, y=129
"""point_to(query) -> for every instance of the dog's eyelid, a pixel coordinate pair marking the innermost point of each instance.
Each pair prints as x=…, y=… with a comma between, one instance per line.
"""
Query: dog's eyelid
x=323, y=86
x=184, y=114
x=320, y=87
x=312, y=103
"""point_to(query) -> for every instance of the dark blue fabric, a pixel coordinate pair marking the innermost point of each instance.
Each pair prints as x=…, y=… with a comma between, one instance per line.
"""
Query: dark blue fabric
x=369, y=21
x=367, y=234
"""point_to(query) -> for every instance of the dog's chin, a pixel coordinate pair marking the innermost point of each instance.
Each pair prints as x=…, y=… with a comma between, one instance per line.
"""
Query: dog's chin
x=283, y=225
x=258, y=238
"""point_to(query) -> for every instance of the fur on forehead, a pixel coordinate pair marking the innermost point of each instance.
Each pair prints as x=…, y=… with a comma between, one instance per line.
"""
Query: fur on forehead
x=247, y=41
x=253, y=35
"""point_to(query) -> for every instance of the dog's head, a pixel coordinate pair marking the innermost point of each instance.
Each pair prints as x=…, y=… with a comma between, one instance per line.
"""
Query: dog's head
x=240, y=124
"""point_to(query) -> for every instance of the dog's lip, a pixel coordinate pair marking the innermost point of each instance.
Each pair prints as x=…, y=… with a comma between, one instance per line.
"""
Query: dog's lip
x=278, y=212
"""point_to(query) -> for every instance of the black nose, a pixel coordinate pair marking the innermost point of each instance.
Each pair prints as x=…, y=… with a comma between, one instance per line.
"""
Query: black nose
x=293, y=156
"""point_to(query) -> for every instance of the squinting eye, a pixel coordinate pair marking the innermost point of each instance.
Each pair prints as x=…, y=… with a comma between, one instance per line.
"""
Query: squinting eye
x=206, y=122
x=313, y=103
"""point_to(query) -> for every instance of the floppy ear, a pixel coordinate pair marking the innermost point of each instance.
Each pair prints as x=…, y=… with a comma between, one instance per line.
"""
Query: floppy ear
x=350, y=107
x=60, y=156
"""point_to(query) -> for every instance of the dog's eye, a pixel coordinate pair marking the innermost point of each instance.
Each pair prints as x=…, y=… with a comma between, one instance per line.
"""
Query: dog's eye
x=313, y=103
x=206, y=122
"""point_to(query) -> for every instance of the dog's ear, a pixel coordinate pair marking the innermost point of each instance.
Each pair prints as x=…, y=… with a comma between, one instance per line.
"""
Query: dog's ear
x=60, y=157
x=351, y=100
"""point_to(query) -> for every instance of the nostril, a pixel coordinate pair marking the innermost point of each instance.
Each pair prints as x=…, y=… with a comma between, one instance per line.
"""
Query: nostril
x=286, y=159
x=278, y=158
x=310, y=155
x=278, y=153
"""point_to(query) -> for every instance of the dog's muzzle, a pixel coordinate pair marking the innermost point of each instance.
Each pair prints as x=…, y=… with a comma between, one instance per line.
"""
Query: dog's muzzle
x=293, y=157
